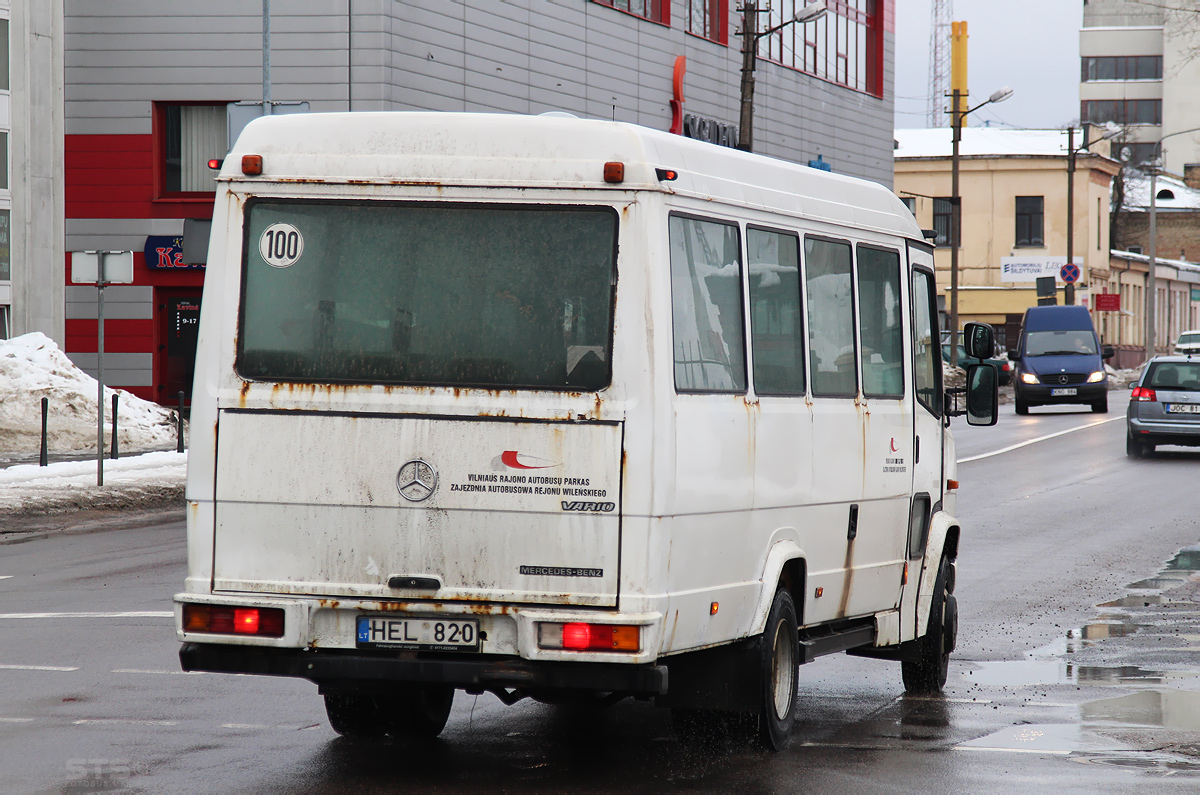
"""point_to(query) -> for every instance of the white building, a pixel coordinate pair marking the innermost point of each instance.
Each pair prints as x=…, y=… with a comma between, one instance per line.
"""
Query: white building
x=1140, y=68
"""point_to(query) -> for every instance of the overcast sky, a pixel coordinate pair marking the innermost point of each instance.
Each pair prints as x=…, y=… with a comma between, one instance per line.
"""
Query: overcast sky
x=1031, y=46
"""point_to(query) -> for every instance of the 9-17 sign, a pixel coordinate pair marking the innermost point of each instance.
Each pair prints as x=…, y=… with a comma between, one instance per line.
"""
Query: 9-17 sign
x=1108, y=302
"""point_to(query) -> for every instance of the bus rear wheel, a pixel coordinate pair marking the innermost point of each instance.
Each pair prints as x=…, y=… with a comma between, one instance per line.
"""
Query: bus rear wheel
x=418, y=712
x=927, y=674
x=780, y=663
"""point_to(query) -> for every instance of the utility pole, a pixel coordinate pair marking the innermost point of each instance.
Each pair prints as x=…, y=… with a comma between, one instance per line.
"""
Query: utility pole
x=958, y=97
x=1069, y=289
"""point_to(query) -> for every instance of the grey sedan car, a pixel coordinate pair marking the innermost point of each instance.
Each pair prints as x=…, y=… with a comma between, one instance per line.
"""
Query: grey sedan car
x=1165, y=405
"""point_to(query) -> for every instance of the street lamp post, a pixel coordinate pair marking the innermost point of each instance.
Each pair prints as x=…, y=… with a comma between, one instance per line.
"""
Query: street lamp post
x=1111, y=130
x=750, y=36
x=956, y=120
x=1151, y=283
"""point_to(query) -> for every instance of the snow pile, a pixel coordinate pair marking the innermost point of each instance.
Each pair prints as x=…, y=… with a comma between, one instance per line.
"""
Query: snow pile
x=33, y=367
x=150, y=480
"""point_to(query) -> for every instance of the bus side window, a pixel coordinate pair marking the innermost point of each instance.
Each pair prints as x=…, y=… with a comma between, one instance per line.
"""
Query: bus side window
x=706, y=306
x=881, y=330
x=830, y=317
x=776, y=322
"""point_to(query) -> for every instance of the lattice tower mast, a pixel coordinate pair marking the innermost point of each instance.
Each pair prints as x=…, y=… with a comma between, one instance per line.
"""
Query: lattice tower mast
x=941, y=12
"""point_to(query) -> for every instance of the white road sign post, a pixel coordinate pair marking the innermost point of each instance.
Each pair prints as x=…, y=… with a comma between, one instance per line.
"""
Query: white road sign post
x=101, y=267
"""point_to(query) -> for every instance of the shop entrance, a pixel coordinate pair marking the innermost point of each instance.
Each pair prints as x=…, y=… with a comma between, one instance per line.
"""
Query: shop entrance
x=178, y=319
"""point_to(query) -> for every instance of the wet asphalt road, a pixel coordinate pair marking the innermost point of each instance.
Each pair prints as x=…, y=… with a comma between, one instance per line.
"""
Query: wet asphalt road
x=1078, y=666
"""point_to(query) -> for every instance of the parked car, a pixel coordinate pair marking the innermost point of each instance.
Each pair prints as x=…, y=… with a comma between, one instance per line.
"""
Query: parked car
x=1165, y=405
x=1188, y=342
x=1003, y=366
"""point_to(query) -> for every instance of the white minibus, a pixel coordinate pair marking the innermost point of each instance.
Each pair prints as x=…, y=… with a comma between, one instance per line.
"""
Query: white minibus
x=566, y=409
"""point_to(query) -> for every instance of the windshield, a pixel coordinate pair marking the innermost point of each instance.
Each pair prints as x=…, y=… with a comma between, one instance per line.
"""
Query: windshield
x=1189, y=339
x=439, y=294
x=1181, y=376
x=1060, y=343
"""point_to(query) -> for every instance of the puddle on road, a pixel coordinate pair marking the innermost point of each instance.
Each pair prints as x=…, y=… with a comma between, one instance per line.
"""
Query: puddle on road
x=1170, y=709
x=1043, y=738
x=1023, y=673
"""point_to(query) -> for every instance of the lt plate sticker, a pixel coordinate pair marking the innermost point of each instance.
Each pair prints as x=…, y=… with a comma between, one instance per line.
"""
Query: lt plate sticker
x=281, y=245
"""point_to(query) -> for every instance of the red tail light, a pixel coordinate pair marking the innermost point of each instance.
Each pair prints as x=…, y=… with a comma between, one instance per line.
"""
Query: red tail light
x=261, y=621
x=1143, y=395
x=578, y=636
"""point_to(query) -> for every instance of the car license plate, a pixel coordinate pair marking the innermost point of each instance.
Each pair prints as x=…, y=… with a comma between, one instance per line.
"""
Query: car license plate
x=435, y=634
x=1183, y=408
x=1064, y=392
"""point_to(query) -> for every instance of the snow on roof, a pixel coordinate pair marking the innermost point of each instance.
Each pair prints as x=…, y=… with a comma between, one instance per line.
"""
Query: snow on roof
x=1137, y=192
x=981, y=142
x=1180, y=264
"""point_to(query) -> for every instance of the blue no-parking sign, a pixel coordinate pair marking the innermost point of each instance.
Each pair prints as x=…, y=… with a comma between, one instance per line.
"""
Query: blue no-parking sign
x=1069, y=273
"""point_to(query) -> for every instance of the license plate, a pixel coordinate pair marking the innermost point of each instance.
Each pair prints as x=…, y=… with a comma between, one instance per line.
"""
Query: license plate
x=1183, y=408
x=435, y=634
x=1064, y=392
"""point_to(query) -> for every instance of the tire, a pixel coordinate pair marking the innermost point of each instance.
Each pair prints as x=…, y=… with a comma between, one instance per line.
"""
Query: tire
x=928, y=673
x=779, y=665
x=419, y=712
x=1100, y=406
x=1134, y=448
x=357, y=717
x=770, y=726
x=1022, y=406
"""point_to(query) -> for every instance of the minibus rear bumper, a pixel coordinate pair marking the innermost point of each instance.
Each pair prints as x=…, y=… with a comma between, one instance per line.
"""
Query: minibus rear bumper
x=349, y=670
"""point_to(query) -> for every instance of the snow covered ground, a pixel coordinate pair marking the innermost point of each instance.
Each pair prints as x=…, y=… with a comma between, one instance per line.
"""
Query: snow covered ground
x=33, y=367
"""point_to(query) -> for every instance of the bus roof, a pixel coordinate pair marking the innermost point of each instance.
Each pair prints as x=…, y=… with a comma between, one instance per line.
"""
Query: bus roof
x=552, y=151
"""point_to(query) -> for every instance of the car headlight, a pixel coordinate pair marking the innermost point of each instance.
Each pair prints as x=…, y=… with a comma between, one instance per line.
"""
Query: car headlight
x=1029, y=378
x=1096, y=377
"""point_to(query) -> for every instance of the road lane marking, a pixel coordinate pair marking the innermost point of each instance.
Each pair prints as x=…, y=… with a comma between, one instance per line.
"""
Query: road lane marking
x=6, y=576
x=1000, y=749
x=16, y=720
x=1019, y=445
x=36, y=668
x=124, y=722
x=147, y=671
x=127, y=614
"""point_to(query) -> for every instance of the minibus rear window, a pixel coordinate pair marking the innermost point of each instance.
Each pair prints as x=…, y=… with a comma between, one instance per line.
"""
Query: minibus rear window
x=431, y=293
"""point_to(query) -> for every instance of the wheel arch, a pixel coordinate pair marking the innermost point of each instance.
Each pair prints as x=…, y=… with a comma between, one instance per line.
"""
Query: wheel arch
x=944, y=532
x=786, y=564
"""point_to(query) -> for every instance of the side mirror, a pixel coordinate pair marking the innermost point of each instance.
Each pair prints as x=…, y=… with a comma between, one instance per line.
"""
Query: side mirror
x=983, y=398
x=979, y=340
x=1107, y=352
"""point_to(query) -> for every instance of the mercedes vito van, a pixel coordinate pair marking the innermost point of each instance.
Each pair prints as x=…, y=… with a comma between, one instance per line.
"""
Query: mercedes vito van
x=1059, y=359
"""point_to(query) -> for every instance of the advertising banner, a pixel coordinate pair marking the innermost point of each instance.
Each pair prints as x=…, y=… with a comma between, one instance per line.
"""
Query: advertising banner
x=1028, y=269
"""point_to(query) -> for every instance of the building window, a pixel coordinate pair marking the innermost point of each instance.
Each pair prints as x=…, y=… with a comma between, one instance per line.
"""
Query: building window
x=189, y=136
x=911, y=203
x=1135, y=249
x=1138, y=153
x=845, y=46
x=653, y=10
x=1029, y=221
x=708, y=19
x=5, y=260
x=1121, y=111
x=943, y=219
x=4, y=86
x=1122, y=67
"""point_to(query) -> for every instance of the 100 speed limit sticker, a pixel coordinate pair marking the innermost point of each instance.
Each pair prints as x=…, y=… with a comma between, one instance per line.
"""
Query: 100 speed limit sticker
x=281, y=245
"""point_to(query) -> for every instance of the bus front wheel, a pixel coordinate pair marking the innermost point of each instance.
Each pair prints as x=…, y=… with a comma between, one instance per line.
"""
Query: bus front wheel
x=927, y=674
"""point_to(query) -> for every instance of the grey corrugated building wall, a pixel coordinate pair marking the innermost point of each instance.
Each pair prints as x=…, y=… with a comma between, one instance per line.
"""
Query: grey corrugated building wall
x=135, y=68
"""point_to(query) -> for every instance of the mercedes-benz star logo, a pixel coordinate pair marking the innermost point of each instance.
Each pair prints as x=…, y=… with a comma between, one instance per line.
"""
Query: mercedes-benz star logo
x=1062, y=379
x=416, y=481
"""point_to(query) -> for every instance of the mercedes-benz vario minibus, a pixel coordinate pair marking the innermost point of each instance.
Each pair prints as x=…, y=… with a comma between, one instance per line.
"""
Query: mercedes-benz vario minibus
x=564, y=409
